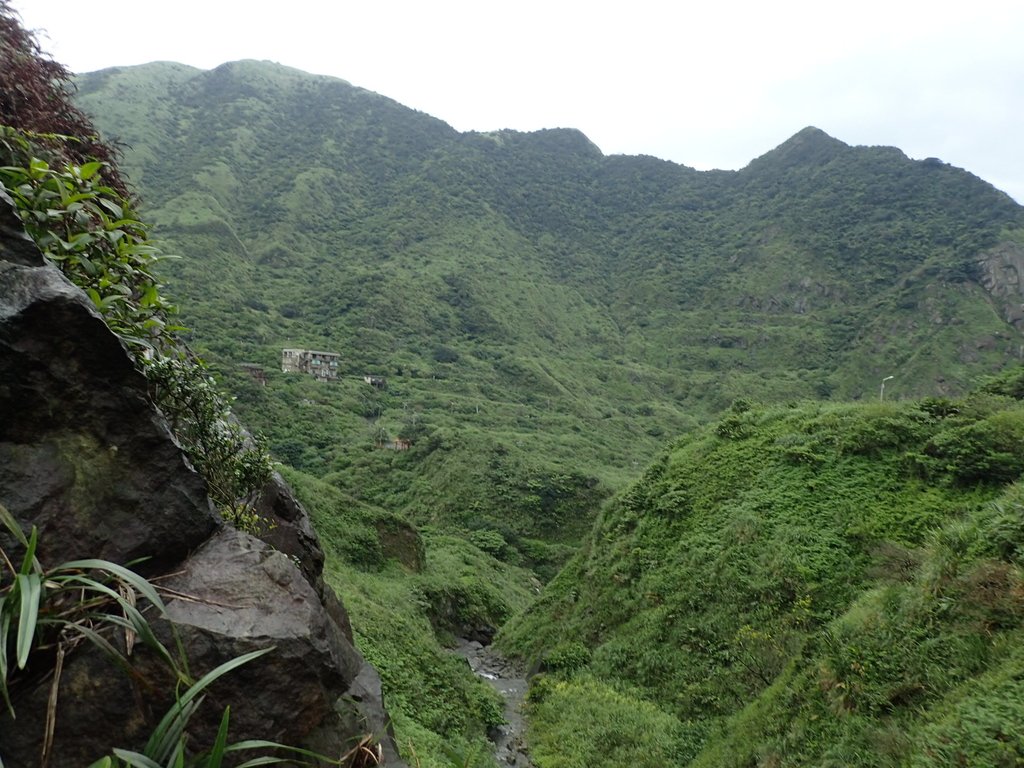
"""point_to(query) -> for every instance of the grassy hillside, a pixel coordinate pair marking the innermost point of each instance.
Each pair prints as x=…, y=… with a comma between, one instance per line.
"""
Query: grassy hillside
x=532, y=302
x=808, y=585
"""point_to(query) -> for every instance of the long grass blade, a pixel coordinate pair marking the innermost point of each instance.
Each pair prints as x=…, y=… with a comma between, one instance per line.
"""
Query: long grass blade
x=128, y=597
x=30, y=587
x=100, y=642
x=219, y=748
x=51, y=708
x=178, y=758
x=30, y=552
x=4, y=627
x=249, y=744
x=5, y=632
x=141, y=585
x=170, y=730
x=134, y=622
x=162, y=740
x=263, y=744
x=69, y=580
x=142, y=630
x=12, y=525
x=222, y=670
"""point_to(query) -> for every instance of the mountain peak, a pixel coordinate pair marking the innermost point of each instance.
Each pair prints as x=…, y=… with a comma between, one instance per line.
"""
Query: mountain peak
x=812, y=137
x=810, y=146
x=560, y=141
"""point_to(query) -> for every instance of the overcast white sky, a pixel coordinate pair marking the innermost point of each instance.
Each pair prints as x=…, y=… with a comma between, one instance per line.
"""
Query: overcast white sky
x=710, y=85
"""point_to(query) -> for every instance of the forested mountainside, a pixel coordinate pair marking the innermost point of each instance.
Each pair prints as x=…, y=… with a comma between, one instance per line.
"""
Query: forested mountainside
x=545, y=316
x=539, y=321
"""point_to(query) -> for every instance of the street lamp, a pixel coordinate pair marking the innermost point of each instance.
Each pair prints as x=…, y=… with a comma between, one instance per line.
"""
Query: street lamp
x=881, y=391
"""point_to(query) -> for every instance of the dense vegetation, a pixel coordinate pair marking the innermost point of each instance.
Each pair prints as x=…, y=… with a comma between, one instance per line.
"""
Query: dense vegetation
x=806, y=585
x=35, y=97
x=813, y=583
x=546, y=317
x=406, y=591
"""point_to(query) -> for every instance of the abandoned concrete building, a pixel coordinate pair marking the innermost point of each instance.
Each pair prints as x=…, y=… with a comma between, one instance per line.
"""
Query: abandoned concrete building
x=398, y=444
x=256, y=372
x=321, y=365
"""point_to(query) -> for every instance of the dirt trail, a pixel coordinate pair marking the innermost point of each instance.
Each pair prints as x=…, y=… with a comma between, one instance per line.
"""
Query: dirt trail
x=509, y=680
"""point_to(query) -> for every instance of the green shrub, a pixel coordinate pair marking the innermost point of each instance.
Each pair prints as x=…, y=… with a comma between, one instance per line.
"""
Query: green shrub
x=91, y=233
x=490, y=541
x=234, y=464
x=979, y=724
x=567, y=657
x=582, y=723
x=990, y=450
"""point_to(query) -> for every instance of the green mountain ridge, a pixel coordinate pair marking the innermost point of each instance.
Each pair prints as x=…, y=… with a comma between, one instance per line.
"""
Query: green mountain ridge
x=547, y=318
x=643, y=242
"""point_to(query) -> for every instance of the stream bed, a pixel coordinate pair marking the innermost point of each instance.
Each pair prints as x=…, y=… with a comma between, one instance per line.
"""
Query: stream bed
x=509, y=680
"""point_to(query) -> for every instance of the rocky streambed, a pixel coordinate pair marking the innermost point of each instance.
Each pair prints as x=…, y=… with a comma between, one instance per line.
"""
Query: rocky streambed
x=509, y=680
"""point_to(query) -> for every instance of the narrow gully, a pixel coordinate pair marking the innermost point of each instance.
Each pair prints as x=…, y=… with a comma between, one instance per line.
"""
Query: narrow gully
x=509, y=680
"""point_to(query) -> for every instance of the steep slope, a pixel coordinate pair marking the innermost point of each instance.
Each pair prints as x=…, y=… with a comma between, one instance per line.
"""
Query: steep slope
x=542, y=311
x=822, y=585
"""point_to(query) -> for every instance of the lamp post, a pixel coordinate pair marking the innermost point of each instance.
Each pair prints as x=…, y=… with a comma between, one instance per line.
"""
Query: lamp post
x=881, y=391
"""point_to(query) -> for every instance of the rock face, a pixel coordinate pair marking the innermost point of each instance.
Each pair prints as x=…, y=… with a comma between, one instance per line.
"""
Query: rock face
x=82, y=450
x=289, y=529
x=1002, y=275
x=314, y=688
x=88, y=460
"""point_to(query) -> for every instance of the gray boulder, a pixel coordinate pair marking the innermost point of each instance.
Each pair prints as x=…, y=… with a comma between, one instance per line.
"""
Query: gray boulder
x=84, y=456
x=243, y=595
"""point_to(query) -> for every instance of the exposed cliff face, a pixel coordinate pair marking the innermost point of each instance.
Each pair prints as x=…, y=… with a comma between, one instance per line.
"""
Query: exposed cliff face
x=1002, y=275
x=88, y=460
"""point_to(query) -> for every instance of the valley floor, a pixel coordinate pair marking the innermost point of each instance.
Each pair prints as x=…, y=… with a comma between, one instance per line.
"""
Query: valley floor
x=508, y=678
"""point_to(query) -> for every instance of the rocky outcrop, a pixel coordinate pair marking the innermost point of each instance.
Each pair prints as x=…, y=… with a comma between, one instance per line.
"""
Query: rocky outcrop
x=84, y=456
x=1002, y=275
x=240, y=595
x=88, y=461
x=288, y=528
